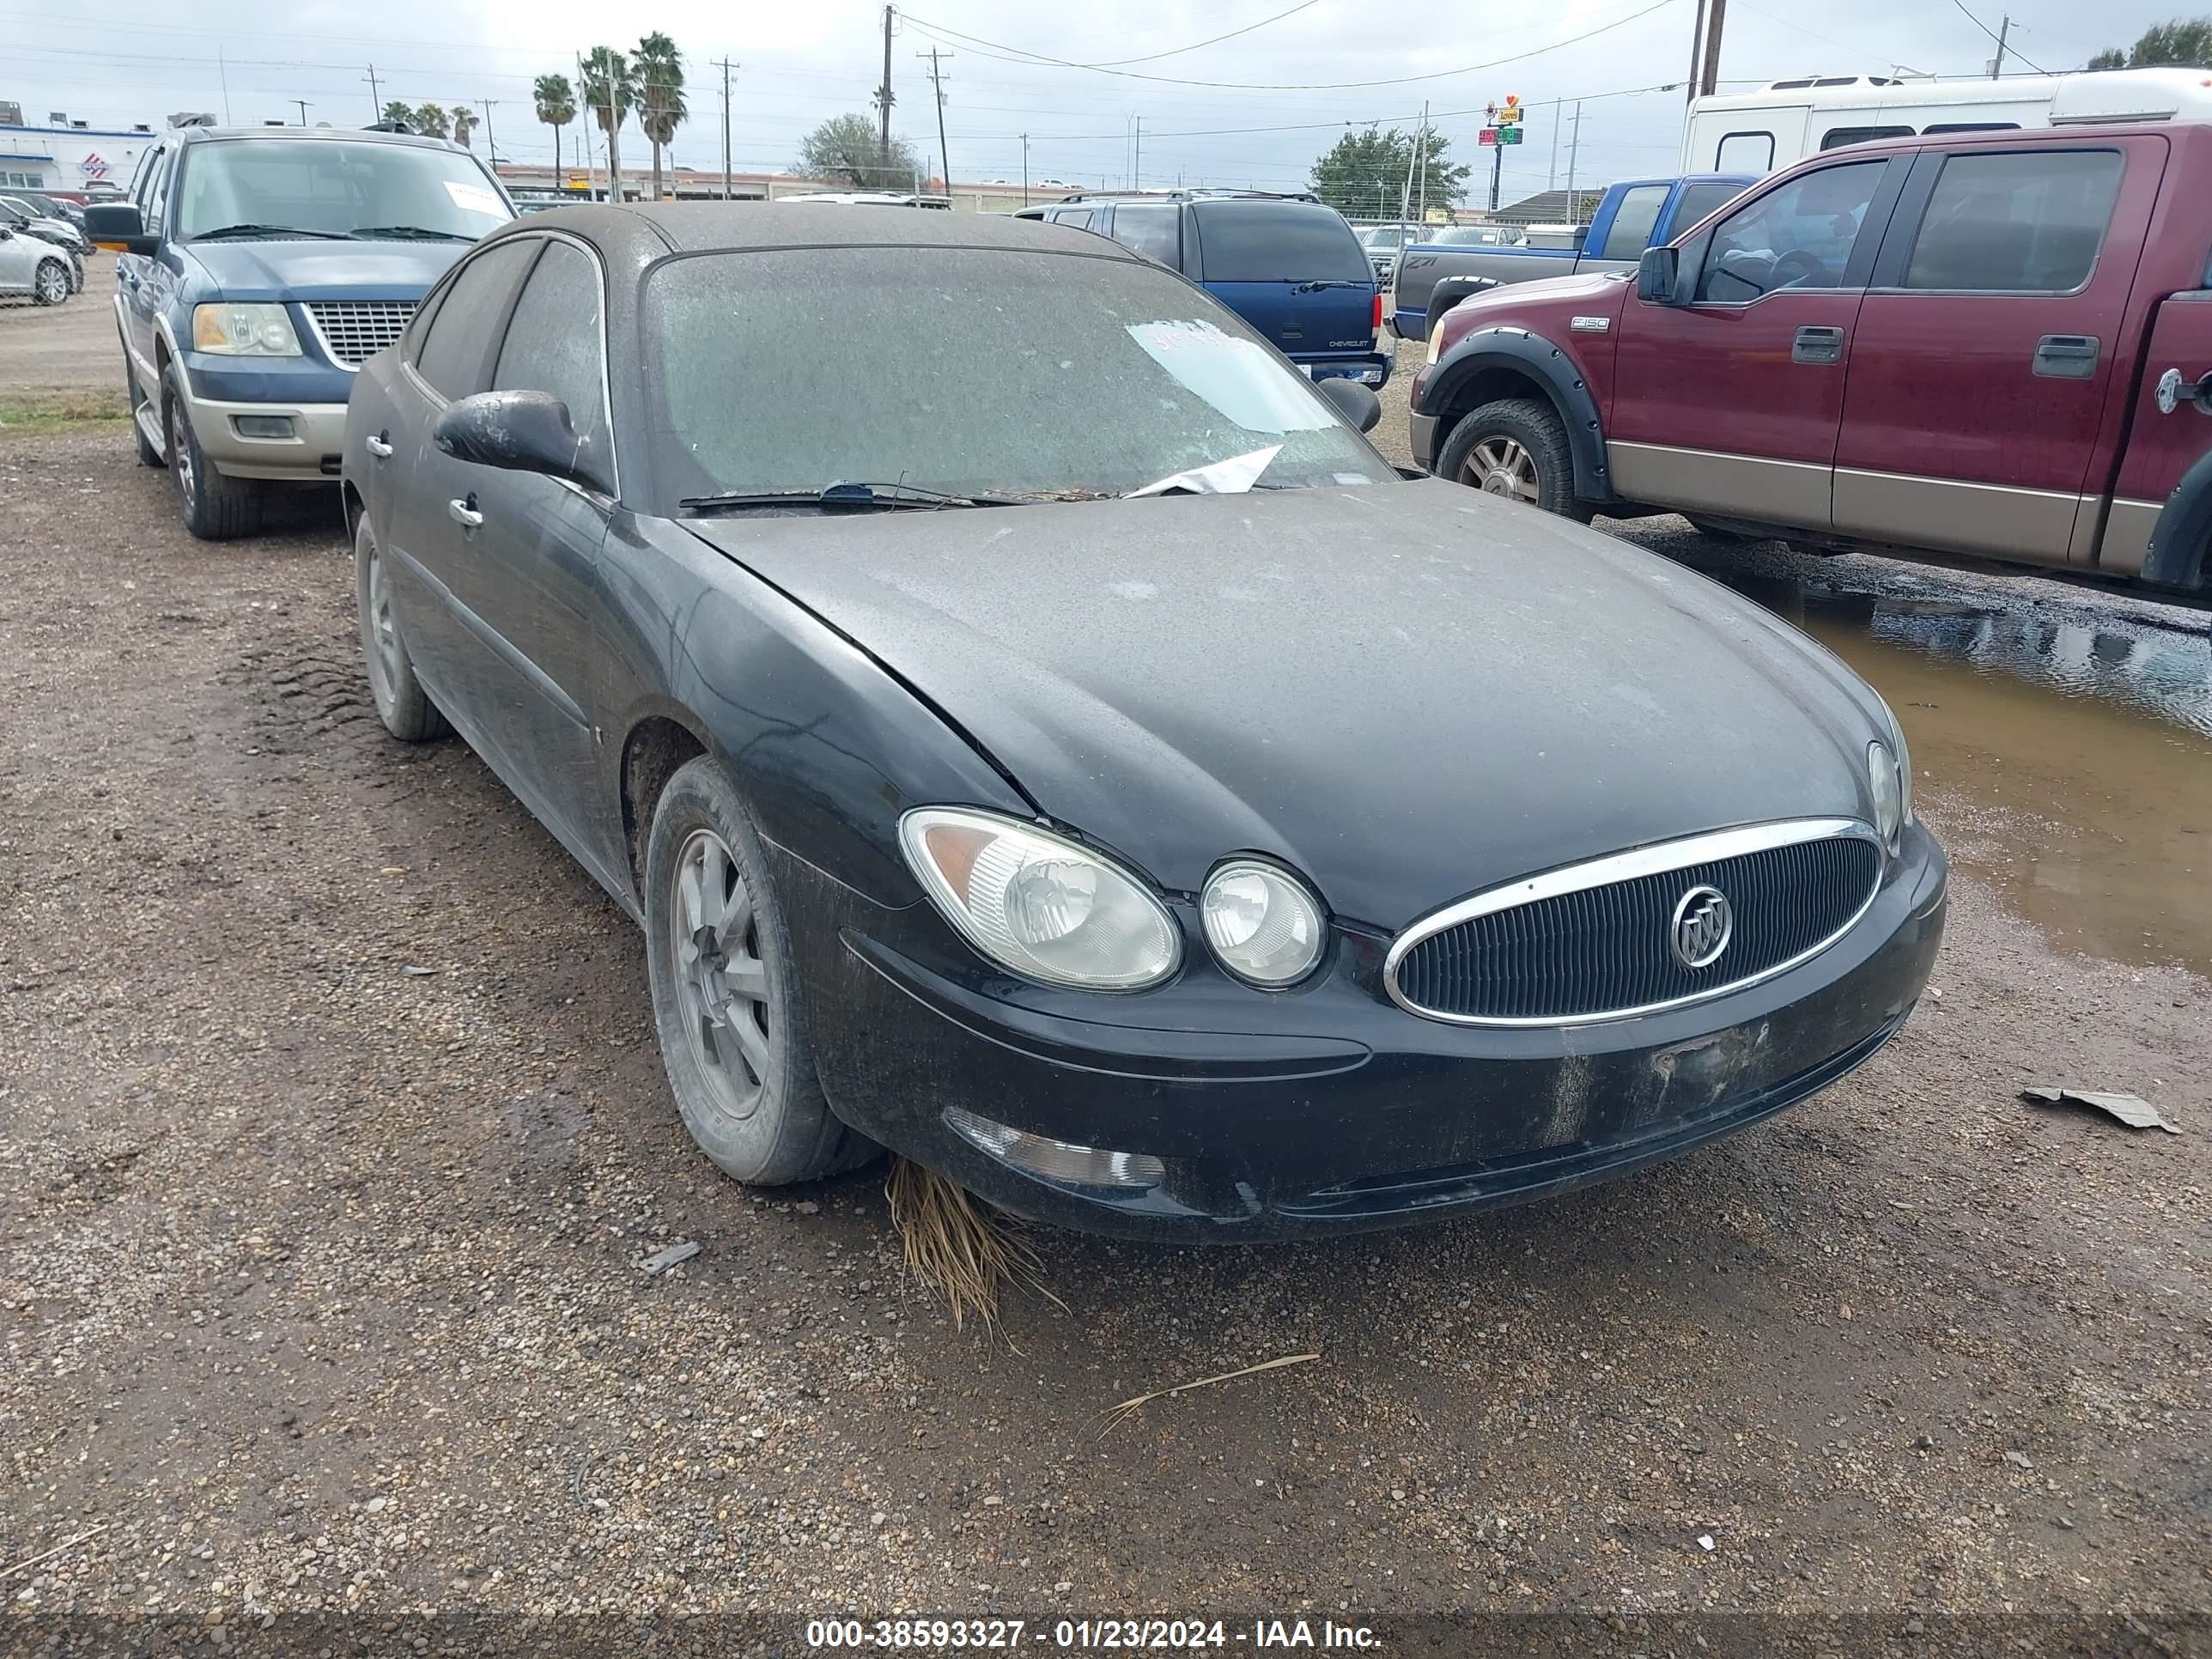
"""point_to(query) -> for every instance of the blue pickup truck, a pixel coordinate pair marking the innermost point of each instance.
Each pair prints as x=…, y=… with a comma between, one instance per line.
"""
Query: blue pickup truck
x=259, y=268
x=1632, y=215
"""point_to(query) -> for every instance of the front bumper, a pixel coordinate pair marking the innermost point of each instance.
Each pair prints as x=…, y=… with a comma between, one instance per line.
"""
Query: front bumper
x=1421, y=438
x=1325, y=1109
x=220, y=391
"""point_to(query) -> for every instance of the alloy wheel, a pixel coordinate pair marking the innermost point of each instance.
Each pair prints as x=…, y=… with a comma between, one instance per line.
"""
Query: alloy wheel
x=1501, y=465
x=180, y=451
x=384, y=637
x=53, y=285
x=722, y=984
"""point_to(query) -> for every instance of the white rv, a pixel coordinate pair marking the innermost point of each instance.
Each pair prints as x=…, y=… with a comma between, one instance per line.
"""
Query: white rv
x=1789, y=120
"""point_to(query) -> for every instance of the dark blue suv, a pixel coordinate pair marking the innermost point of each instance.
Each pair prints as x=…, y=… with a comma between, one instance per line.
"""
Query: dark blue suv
x=260, y=267
x=1291, y=266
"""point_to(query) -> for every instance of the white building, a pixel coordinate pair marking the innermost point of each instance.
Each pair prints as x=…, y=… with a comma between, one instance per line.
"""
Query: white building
x=65, y=155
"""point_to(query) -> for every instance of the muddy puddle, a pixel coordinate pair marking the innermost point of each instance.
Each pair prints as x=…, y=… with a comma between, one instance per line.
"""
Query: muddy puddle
x=2063, y=751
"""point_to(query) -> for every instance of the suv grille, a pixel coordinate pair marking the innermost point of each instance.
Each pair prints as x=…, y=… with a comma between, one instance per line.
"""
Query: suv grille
x=354, y=331
x=1578, y=950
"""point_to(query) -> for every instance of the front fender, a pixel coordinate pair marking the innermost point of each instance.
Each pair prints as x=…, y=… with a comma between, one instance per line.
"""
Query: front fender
x=1549, y=367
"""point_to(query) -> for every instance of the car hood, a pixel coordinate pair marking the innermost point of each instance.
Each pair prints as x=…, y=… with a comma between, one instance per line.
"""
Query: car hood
x=1410, y=692
x=312, y=269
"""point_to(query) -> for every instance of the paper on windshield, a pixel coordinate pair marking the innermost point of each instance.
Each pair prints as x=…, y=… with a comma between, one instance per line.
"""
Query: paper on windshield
x=1231, y=478
x=1237, y=377
x=474, y=198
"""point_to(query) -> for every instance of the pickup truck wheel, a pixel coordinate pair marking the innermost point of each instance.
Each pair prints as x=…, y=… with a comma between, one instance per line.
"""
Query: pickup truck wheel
x=214, y=507
x=733, y=1034
x=51, y=286
x=1516, y=448
x=401, y=703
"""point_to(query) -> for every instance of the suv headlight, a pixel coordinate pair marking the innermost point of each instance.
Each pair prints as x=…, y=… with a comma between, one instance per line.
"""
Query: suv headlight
x=1046, y=906
x=244, y=330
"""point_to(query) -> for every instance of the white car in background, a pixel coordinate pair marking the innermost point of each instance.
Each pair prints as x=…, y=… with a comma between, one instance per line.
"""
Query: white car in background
x=33, y=266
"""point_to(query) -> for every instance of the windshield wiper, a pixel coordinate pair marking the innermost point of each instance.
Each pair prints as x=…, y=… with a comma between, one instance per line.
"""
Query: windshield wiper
x=844, y=497
x=409, y=233
x=271, y=230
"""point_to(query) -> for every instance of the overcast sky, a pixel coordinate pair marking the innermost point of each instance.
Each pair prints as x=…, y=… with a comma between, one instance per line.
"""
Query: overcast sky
x=798, y=63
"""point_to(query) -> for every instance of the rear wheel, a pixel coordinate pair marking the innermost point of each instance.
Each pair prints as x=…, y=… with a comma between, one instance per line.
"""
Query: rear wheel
x=725, y=995
x=402, y=704
x=1515, y=448
x=51, y=286
x=214, y=507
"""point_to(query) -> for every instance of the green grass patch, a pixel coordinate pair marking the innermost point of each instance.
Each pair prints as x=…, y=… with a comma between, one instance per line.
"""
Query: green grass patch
x=44, y=413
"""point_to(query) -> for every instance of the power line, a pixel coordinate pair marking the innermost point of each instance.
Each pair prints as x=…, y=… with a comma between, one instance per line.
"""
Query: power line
x=939, y=29
x=1177, y=51
x=1994, y=35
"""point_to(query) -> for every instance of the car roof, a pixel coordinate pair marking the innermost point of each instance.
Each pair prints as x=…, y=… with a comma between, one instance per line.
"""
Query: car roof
x=353, y=135
x=736, y=227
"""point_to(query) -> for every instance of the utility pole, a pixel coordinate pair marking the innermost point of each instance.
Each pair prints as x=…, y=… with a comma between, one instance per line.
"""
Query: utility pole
x=375, y=102
x=1025, y=169
x=1696, y=53
x=223, y=73
x=1574, y=147
x=1710, y=77
x=302, y=103
x=586, y=130
x=884, y=105
x=726, y=67
x=936, y=82
x=491, y=144
x=1552, y=173
x=1405, y=196
x=1137, y=158
x=1421, y=163
x=1996, y=64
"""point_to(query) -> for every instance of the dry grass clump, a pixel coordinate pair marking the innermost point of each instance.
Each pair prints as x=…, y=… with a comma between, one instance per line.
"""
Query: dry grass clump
x=957, y=1245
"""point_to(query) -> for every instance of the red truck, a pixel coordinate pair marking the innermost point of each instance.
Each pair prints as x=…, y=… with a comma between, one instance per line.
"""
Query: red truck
x=1997, y=343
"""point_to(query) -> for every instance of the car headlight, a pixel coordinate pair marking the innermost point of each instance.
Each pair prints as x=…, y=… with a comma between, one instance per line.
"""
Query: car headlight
x=244, y=330
x=1261, y=923
x=1046, y=906
x=1889, y=781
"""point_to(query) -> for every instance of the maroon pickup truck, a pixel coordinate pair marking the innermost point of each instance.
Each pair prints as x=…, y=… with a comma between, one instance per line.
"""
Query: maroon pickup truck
x=1997, y=343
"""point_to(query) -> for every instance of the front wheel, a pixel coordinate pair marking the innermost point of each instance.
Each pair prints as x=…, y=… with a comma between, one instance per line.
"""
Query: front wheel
x=733, y=1035
x=215, y=508
x=52, y=285
x=1516, y=448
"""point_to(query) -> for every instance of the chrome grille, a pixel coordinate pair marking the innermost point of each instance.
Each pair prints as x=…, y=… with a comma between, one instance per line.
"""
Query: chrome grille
x=354, y=331
x=1593, y=942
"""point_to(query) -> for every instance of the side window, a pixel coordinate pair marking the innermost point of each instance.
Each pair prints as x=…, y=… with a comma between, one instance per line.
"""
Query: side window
x=2015, y=224
x=1798, y=236
x=1152, y=228
x=554, y=339
x=1839, y=136
x=455, y=353
x=1632, y=221
x=1074, y=218
x=1700, y=201
x=1744, y=152
x=150, y=209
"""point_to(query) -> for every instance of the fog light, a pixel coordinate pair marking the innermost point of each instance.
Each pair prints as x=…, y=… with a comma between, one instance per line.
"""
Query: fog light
x=263, y=426
x=1063, y=1162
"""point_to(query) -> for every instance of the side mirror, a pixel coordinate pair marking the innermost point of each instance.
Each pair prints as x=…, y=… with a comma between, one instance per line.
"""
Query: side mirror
x=1658, y=274
x=518, y=432
x=117, y=228
x=1353, y=401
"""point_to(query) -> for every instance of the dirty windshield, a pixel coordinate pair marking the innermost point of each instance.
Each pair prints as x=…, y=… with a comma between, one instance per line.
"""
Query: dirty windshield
x=334, y=187
x=968, y=370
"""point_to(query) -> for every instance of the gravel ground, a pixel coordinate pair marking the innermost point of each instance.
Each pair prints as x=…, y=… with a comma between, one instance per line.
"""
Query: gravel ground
x=334, y=1135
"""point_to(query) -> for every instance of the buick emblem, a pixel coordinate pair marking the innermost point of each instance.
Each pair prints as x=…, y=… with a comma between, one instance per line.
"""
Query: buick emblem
x=1703, y=919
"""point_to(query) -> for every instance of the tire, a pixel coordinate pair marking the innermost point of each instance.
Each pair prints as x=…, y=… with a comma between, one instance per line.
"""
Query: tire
x=1516, y=448
x=148, y=455
x=214, y=507
x=739, y=1063
x=401, y=703
x=49, y=284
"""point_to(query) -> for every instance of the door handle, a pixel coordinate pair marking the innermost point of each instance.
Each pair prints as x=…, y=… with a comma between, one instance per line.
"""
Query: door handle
x=2066, y=357
x=464, y=513
x=380, y=447
x=1817, y=344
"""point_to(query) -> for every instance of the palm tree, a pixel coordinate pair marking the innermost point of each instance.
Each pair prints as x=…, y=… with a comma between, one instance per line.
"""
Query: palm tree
x=557, y=108
x=464, y=122
x=402, y=113
x=431, y=118
x=610, y=91
x=660, y=69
